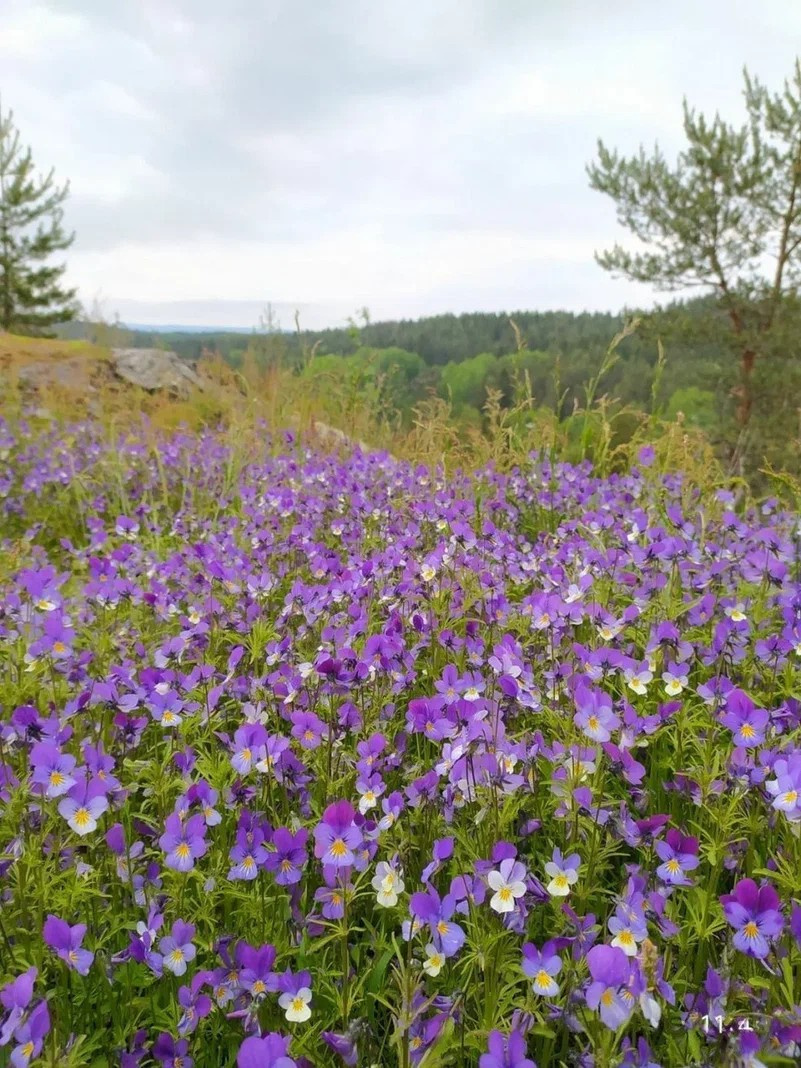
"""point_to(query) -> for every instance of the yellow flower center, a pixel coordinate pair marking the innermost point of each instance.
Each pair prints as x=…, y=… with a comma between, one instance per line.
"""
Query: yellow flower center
x=82, y=818
x=338, y=848
x=183, y=851
x=542, y=980
x=750, y=930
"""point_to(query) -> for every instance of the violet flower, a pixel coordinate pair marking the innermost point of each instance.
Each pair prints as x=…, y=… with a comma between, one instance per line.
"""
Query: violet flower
x=610, y=971
x=337, y=836
x=506, y=1053
x=66, y=942
x=754, y=914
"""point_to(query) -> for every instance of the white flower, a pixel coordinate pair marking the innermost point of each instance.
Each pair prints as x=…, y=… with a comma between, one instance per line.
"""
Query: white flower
x=674, y=684
x=175, y=961
x=507, y=886
x=638, y=680
x=625, y=940
x=562, y=879
x=428, y=572
x=296, y=1006
x=388, y=883
x=545, y=984
x=651, y=1009
x=434, y=960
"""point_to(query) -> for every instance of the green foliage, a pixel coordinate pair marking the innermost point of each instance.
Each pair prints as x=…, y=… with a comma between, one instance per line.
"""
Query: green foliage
x=729, y=206
x=31, y=299
x=696, y=406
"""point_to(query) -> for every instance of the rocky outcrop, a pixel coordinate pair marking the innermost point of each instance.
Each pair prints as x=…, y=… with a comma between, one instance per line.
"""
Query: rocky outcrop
x=155, y=369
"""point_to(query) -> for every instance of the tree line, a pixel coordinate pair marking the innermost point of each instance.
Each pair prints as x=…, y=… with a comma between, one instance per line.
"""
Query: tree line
x=723, y=220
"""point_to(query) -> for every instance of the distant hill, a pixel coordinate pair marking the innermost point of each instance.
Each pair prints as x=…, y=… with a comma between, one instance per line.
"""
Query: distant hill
x=178, y=328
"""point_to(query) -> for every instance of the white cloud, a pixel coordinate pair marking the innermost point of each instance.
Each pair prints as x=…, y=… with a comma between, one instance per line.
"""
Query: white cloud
x=412, y=157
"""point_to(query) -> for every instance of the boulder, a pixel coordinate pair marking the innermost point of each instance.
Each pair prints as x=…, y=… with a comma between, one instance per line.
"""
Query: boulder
x=154, y=369
x=74, y=372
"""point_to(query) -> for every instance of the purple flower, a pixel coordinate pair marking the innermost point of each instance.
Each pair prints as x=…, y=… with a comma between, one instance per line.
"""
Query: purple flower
x=747, y=722
x=337, y=836
x=786, y=787
x=754, y=914
x=289, y=857
x=195, y=1004
x=541, y=966
x=249, y=747
x=15, y=998
x=52, y=769
x=256, y=969
x=267, y=1051
x=172, y=1054
x=506, y=1053
x=30, y=1036
x=66, y=941
x=344, y=1045
x=308, y=729
x=678, y=855
x=177, y=949
x=84, y=805
x=442, y=851
x=628, y=927
x=795, y=924
x=249, y=852
x=435, y=912
x=595, y=716
x=610, y=971
x=183, y=842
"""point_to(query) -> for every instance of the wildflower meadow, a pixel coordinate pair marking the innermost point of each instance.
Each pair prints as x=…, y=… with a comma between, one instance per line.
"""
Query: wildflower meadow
x=315, y=757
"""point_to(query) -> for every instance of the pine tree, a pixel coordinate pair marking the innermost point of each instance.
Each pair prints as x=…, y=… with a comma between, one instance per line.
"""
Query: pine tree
x=726, y=219
x=31, y=298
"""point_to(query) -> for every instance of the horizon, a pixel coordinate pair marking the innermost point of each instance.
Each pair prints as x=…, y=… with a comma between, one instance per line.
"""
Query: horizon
x=416, y=163
x=182, y=327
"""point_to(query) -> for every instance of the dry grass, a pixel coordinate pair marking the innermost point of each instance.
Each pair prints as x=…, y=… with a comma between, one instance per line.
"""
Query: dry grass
x=339, y=415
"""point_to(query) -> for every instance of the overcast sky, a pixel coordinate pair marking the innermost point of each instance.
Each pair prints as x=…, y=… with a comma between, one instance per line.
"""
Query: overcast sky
x=415, y=158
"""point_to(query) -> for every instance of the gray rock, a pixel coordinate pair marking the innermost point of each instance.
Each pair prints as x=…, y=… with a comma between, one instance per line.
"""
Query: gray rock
x=154, y=369
x=71, y=373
